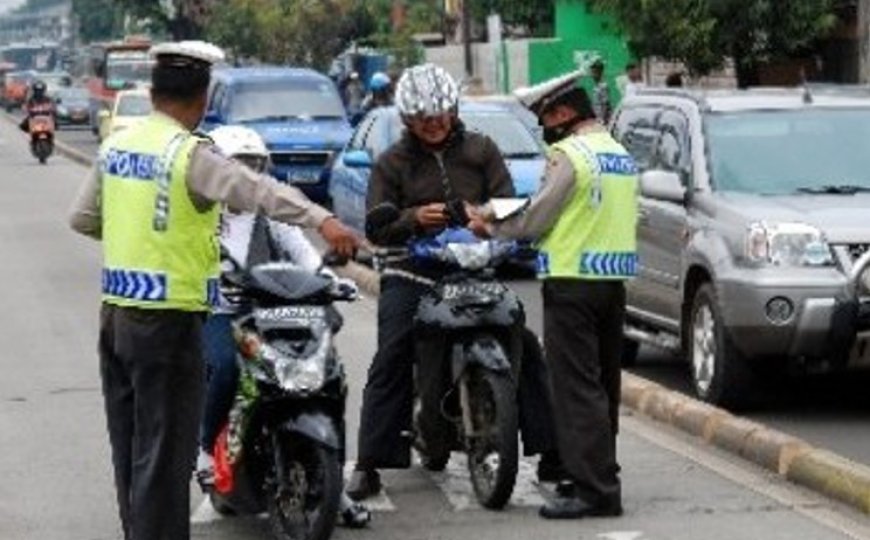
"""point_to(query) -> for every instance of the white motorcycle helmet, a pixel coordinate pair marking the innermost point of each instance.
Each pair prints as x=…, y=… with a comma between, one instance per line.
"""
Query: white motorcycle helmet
x=242, y=144
x=426, y=90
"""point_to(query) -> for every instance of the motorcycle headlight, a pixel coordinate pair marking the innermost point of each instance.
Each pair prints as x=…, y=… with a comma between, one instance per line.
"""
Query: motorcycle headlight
x=295, y=374
x=787, y=244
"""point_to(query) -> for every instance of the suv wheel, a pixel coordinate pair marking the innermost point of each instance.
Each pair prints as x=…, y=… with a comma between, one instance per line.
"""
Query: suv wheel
x=720, y=373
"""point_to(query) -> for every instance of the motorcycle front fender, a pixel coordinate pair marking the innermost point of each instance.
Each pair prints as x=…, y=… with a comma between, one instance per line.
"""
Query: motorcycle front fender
x=315, y=426
x=484, y=351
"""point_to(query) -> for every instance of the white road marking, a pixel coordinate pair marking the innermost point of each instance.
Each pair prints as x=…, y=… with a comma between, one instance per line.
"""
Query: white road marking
x=455, y=483
x=205, y=513
x=621, y=535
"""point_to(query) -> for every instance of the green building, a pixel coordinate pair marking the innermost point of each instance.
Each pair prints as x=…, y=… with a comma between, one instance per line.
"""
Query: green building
x=581, y=35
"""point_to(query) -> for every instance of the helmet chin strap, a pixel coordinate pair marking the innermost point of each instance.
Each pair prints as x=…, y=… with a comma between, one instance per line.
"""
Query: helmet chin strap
x=554, y=134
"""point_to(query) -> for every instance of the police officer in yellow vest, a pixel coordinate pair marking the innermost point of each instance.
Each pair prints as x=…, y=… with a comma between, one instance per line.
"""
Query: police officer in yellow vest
x=153, y=199
x=583, y=218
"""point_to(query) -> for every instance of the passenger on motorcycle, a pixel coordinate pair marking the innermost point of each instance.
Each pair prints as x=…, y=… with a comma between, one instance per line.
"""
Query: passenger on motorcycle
x=380, y=92
x=436, y=166
x=247, y=239
x=38, y=103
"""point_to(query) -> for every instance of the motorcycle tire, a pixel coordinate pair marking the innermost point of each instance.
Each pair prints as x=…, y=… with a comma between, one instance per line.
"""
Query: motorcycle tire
x=312, y=483
x=493, y=457
x=219, y=505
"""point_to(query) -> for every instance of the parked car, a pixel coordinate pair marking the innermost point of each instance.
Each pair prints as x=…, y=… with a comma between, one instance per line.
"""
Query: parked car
x=524, y=153
x=753, y=232
x=130, y=108
x=73, y=106
x=298, y=112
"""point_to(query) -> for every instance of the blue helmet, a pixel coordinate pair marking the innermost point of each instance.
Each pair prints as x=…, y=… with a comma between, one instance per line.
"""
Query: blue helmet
x=379, y=81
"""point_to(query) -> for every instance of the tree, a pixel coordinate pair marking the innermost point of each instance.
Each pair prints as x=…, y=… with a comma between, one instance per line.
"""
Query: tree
x=534, y=16
x=98, y=20
x=703, y=33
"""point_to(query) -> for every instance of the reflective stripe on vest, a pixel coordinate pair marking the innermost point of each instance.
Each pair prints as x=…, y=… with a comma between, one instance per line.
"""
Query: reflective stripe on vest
x=135, y=285
x=594, y=235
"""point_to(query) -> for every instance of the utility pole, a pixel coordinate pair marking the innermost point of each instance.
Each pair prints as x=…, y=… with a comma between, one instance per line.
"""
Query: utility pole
x=863, y=37
x=466, y=37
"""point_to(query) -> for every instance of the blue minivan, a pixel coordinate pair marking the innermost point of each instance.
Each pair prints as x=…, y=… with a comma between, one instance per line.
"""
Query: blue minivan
x=298, y=113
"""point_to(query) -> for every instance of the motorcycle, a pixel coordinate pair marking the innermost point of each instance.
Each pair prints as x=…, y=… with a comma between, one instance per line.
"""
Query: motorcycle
x=478, y=314
x=41, y=128
x=282, y=449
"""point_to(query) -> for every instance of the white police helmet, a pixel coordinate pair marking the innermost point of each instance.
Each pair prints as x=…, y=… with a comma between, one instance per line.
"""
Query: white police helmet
x=243, y=144
x=426, y=90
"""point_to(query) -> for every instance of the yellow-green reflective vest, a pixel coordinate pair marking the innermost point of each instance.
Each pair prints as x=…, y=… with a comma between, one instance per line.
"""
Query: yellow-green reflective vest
x=159, y=251
x=594, y=237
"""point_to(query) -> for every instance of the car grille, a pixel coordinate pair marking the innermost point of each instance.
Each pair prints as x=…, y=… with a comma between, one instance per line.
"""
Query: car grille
x=301, y=159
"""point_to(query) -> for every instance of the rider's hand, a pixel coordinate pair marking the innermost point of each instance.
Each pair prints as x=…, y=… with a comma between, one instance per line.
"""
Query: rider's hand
x=341, y=239
x=431, y=215
x=479, y=227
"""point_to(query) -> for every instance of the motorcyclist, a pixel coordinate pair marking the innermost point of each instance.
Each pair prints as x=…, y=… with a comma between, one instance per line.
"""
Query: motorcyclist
x=380, y=92
x=38, y=103
x=434, y=163
x=248, y=239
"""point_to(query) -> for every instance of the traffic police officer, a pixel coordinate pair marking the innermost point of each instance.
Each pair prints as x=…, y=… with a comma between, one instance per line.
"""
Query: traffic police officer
x=153, y=199
x=584, y=217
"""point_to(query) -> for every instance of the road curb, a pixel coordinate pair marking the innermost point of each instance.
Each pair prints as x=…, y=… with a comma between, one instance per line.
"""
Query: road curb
x=790, y=457
x=60, y=147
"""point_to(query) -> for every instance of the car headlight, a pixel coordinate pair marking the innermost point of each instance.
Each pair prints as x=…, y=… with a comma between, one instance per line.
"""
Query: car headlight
x=296, y=374
x=787, y=244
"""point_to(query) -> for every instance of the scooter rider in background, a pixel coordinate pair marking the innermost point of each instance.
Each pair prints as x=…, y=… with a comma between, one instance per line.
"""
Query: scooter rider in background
x=248, y=239
x=436, y=162
x=380, y=92
x=38, y=103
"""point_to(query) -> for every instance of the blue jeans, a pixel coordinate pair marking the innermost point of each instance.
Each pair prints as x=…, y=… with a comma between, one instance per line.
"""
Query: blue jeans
x=219, y=350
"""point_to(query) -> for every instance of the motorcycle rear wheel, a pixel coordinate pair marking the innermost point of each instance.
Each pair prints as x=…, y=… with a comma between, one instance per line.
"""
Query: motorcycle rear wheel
x=303, y=505
x=493, y=448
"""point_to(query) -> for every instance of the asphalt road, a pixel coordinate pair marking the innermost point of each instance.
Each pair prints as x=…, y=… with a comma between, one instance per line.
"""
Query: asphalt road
x=55, y=464
x=828, y=411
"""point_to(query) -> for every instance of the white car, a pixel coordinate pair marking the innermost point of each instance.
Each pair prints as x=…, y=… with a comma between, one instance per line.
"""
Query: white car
x=130, y=107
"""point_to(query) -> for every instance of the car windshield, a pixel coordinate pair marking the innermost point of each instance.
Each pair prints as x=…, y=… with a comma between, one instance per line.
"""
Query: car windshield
x=790, y=151
x=511, y=136
x=138, y=105
x=284, y=100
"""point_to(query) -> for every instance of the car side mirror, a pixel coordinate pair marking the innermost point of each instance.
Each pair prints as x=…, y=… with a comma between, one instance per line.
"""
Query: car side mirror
x=357, y=158
x=663, y=186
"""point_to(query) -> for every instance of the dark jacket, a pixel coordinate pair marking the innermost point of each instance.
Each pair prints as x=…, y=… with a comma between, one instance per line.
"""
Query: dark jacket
x=408, y=175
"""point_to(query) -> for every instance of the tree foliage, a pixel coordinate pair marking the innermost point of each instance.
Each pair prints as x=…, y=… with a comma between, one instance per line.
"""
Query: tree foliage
x=703, y=33
x=535, y=16
x=98, y=19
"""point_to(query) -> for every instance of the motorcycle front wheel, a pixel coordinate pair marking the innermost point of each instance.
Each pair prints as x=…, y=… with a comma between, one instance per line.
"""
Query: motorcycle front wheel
x=492, y=446
x=304, y=494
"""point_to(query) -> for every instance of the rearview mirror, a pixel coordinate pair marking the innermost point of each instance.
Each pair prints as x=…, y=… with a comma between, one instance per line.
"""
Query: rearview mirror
x=663, y=186
x=357, y=158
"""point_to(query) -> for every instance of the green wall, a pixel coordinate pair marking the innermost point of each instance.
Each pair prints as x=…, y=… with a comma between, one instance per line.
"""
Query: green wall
x=578, y=30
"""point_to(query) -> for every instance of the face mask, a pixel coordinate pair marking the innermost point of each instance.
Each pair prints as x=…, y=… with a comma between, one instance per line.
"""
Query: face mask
x=554, y=134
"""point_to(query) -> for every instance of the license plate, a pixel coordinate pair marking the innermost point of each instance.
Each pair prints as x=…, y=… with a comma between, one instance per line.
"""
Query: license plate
x=303, y=177
x=463, y=290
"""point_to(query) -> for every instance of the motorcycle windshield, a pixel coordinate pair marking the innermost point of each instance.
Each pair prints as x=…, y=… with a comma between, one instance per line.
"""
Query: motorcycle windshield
x=459, y=247
x=287, y=281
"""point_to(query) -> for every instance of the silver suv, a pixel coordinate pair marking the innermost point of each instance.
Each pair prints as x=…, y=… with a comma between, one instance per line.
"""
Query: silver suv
x=753, y=232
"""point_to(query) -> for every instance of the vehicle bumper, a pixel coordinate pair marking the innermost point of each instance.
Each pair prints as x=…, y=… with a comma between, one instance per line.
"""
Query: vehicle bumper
x=826, y=322
x=315, y=185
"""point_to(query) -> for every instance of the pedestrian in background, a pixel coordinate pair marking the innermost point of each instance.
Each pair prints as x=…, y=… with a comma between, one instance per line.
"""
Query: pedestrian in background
x=631, y=80
x=584, y=216
x=600, y=92
x=153, y=199
x=674, y=80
